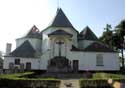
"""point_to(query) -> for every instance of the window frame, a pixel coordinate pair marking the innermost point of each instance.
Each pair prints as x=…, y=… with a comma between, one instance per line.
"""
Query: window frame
x=99, y=60
x=17, y=61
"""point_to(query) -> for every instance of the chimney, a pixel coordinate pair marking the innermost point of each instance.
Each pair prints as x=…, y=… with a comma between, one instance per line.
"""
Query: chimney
x=8, y=48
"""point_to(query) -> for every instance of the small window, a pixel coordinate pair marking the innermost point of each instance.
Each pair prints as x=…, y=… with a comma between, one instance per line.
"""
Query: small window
x=17, y=61
x=99, y=60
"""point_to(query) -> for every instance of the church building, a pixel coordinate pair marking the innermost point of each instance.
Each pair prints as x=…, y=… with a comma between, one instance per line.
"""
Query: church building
x=61, y=48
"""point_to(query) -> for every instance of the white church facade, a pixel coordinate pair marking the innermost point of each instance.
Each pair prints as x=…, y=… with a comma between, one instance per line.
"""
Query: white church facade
x=61, y=48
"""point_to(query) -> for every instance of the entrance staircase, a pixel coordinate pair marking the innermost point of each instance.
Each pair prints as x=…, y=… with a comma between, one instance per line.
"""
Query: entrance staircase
x=69, y=83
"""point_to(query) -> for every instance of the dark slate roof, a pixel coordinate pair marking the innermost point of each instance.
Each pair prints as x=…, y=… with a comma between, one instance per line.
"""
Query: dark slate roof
x=87, y=34
x=98, y=47
x=60, y=32
x=61, y=20
x=94, y=47
x=33, y=33
x=24, y=50
x=75, y=48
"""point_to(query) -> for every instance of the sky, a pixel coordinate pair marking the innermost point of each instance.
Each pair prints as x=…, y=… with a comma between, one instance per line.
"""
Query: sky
x=18, y=16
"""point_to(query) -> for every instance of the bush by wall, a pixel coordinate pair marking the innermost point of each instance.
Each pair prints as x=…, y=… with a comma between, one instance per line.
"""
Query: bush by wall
x=18, y=80
x=9, y=83
x=97, y=83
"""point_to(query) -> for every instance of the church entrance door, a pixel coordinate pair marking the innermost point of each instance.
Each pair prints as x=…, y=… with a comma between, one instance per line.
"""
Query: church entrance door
x=59, y=48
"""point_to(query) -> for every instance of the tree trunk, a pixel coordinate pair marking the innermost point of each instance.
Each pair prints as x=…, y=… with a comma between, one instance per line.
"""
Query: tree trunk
x=122, y=52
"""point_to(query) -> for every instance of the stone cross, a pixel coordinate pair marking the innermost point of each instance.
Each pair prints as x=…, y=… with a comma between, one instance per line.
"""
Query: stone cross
x=59, y=43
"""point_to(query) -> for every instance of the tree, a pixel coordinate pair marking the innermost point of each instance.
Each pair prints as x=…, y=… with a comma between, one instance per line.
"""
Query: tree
x=107, y=36
x=115, y=38
x=120, y=32
x=1, y=60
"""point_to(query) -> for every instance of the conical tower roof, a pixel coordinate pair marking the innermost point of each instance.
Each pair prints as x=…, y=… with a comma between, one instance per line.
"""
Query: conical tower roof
x=60, y=20
x=87, y=34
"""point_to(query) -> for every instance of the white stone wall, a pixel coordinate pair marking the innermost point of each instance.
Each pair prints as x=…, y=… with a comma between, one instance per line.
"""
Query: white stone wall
x=44, y=60
x=36, y=43
x=87, y=60
x=34, y=62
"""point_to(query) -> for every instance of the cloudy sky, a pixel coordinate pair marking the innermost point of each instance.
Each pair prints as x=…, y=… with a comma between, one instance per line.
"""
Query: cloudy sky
x=18, y=16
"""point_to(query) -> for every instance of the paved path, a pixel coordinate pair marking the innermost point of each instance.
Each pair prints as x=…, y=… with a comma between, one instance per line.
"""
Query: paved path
x=69, y=83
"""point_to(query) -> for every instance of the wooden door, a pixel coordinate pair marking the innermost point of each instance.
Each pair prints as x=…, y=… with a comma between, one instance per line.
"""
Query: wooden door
x=75, y=65
x=28, y=66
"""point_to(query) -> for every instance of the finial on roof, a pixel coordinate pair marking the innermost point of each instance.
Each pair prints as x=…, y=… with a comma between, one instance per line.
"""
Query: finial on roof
x=57, y=10
x=58, y=4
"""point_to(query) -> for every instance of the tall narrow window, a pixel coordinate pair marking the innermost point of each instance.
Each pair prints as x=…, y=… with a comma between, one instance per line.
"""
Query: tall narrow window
x=99, y=60
x=17, y=61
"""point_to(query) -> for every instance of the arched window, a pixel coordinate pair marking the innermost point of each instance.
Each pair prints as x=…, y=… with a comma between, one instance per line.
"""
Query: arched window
x=99, y=60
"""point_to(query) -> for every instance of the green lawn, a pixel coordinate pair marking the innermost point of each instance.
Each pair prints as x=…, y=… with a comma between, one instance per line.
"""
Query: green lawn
x=108, y=75
x=21, y=76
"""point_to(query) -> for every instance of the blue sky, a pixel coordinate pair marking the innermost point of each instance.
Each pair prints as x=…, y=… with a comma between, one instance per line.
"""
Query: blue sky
x=94, y=13
x=18, y=16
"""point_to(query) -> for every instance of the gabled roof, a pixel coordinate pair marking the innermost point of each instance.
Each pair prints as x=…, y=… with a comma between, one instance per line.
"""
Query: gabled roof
x=98, y=47
x=87, y=34
x=60, y=32
x=33, y=33
x=61, y=20
x=24, y=50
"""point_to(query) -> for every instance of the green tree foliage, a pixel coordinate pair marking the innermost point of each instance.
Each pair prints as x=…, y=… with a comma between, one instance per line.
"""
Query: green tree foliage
x=120, y=33
x=107, y=36
x=115, y=38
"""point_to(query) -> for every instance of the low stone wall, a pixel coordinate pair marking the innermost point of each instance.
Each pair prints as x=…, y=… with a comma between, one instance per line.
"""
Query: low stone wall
x=8, y=83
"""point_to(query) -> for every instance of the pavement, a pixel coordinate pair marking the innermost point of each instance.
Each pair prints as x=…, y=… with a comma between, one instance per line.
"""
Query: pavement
x=69, y=83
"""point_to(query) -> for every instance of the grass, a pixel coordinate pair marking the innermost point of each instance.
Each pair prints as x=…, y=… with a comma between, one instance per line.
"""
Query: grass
x=107, y=76
x=96, y=76
x=100, y=79
x=15, y=75
x=21, y=76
